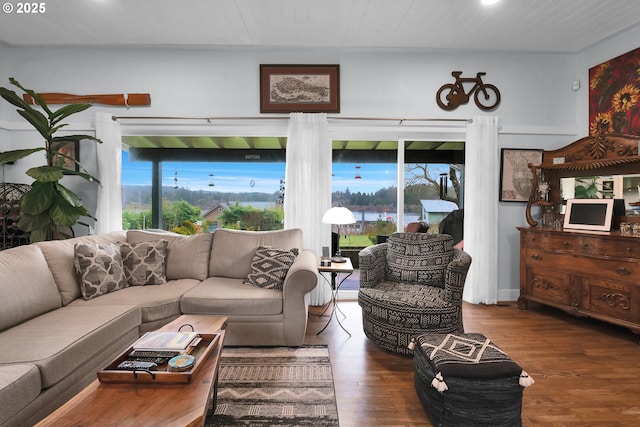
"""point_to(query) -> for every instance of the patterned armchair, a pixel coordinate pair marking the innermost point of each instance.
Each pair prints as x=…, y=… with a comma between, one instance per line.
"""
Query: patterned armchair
x=411, y=285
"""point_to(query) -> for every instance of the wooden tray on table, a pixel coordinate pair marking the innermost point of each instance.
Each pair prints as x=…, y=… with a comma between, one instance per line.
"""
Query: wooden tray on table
x=161, y=375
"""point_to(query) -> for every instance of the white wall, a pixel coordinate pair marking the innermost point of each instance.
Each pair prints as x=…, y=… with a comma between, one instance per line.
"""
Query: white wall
x=538, y=110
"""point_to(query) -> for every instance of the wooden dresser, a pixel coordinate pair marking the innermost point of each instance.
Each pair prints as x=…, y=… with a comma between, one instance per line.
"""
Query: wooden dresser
x=594, y=274
x=585, y=273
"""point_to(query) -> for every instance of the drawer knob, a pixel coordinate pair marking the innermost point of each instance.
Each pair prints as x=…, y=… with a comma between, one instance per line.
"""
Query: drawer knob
x=536, y=257
x=623, y=271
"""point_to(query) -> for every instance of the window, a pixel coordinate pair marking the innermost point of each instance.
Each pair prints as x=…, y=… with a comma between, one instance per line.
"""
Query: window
x=238, y=184
x=433, y=185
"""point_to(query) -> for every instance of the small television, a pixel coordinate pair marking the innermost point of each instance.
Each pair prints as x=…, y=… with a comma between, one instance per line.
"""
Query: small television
x=589, y=214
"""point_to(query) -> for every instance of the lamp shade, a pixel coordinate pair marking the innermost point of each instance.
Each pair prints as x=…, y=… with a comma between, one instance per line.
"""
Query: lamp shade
x=338, y=215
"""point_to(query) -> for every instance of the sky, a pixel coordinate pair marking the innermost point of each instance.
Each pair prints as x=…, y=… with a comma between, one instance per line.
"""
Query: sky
x=237, y=177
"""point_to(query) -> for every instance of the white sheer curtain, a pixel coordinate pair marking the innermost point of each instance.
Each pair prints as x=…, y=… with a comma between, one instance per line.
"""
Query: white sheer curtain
x=109, y=153
x=481, y=184
x=307, y=193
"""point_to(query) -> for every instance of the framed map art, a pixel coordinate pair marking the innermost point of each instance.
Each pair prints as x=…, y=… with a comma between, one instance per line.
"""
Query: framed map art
x=299, y=88
x=515, y=175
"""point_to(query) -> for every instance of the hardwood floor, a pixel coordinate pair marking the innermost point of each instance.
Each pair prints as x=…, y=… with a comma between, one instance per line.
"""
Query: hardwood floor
x=587, y=372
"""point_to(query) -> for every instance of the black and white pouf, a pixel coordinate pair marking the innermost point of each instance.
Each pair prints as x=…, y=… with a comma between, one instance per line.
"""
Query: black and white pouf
x=466, y=380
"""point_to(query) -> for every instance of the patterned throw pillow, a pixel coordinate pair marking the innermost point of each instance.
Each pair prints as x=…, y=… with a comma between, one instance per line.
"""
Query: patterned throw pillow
x=144, y=262
x=418, y=258
x=99, y=269
x=269, y=267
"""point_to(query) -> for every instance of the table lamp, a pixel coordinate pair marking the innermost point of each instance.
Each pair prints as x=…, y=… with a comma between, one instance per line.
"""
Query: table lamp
x=338, y=215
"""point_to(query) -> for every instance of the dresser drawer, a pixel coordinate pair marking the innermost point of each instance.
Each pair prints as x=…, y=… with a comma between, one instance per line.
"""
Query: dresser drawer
x=624, y=271
x=548, y=285
x=551, y=242
x=628, y=247
x=615, y=299
x=613, y=269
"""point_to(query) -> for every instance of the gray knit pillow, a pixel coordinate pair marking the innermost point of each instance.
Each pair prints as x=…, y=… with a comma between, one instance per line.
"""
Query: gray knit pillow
x=99, y=269
x=418, y=258
x=270, y=266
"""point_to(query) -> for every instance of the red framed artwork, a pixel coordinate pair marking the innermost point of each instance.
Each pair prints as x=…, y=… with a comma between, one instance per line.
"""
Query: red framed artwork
x=614, y=95
x=299, y=88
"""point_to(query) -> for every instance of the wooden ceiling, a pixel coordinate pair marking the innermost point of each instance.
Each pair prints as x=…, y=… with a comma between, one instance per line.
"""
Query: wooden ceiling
x=271, y=143
x=566, y=26
x=227, y=149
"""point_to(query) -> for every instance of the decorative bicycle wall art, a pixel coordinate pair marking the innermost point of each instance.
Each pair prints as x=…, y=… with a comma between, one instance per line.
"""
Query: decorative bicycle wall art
x=452, y=95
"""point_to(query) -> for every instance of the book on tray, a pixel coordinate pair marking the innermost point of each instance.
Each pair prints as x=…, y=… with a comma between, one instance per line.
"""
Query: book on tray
x=166, y=341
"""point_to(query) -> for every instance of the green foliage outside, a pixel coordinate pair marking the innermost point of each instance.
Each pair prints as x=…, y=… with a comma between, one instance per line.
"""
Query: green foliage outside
x=249, y=218
x=174, y=214
x=179, y=216
x=136, y=220
x=356, y=241
x=380, y=228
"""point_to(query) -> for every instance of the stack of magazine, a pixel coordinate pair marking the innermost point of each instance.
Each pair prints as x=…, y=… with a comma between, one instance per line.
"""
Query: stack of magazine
x=167, y=342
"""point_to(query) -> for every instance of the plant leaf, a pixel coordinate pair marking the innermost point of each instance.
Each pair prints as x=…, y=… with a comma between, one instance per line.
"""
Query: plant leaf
x=66, y=111
x=35, y=222
x=68, y=138
x=38, y=199
x=38, y=121
x=68, y=195
x=34, y=95
x=39, y=235
x=12, y=156
x=46, y=173
x=62, y=213
x=13, y=98
x=83, y=175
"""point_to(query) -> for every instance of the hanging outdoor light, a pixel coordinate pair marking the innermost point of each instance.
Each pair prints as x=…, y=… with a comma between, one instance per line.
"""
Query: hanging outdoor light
x=358, y=176
x=211, y=184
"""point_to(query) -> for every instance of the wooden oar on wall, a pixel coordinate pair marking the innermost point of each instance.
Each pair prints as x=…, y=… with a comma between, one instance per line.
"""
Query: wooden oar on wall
x=119, y=99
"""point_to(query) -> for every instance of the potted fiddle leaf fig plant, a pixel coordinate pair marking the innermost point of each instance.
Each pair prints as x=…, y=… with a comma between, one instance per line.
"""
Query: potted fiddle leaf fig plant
x=49, y=209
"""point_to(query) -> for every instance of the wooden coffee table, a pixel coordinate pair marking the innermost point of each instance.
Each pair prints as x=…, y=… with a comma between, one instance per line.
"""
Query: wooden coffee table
x=138, y=404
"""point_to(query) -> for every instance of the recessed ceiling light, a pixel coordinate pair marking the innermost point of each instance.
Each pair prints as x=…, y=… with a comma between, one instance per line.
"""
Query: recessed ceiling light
x=489, y=2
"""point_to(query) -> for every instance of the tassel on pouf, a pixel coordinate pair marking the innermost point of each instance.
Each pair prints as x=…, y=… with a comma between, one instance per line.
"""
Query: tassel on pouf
x=439, y=384
x=525, y=380
x=412, y=344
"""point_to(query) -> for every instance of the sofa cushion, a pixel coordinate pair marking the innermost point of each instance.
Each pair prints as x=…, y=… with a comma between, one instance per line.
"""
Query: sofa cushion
x=60, y=257
x=419, y=258
x=27, y=288
x=99, y=269
x=230, y=297
x=187, y=256
x=158, y=302
x=19, y=385
x=232, y=250
x=59, y=341
x=269, y=267
x=144, y=262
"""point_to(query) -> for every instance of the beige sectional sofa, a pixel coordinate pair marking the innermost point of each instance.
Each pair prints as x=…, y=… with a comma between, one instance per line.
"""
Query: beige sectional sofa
x=53, y=340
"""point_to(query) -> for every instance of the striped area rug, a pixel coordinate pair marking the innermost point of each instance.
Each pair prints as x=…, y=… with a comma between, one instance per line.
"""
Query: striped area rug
x=275, y=387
